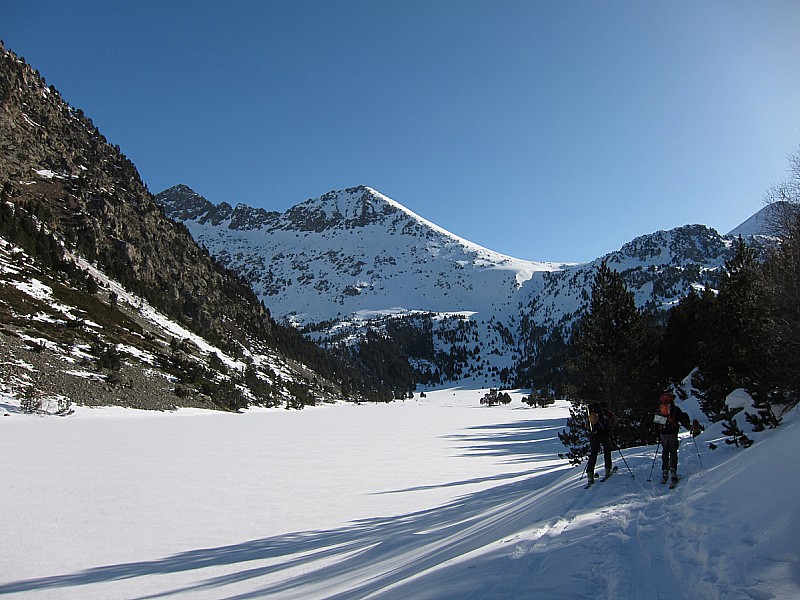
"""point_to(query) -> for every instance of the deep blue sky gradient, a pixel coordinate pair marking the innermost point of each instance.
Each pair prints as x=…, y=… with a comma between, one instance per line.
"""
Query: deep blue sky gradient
x=545, y=130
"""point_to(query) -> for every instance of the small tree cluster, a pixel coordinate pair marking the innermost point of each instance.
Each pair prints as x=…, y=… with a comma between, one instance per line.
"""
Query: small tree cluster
x=64, y=406
x=540, y=398
x=737, y=436
x=765, y=417
x=495, y=397
x=30, y=402
x=107, y=356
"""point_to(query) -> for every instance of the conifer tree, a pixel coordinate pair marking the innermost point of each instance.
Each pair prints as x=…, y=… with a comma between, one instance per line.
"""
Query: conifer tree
x=782, y=291
x=782, y=335
x=687, y=329
x=614, y=361
x=734, y=353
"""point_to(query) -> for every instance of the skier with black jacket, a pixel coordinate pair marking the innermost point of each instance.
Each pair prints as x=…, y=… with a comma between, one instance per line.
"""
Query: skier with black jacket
x=600, y=421
x=669, y=419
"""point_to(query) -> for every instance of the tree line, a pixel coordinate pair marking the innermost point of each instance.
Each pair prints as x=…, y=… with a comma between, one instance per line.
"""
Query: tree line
x=743, y=335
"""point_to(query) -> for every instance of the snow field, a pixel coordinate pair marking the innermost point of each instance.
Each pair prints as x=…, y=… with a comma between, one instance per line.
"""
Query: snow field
x=436, y=498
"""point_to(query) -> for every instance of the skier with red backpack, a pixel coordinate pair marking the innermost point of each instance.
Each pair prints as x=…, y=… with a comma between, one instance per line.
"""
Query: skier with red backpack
x=669, y=418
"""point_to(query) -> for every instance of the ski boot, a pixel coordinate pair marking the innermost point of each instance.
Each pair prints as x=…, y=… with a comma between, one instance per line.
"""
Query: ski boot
x=673, y=481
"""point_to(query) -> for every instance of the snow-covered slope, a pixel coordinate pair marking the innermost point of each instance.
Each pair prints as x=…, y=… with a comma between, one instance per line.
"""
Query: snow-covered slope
x=60, y=346
x=455, y=501
x=765, y=221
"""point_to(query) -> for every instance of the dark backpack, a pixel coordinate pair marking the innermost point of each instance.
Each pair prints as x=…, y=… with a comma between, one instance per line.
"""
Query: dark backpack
x=597, y=417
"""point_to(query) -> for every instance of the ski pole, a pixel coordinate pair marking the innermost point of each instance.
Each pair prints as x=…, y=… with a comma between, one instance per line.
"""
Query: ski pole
x=653, y=466
x=625, y=461
x=696, y=449
x=586, y=468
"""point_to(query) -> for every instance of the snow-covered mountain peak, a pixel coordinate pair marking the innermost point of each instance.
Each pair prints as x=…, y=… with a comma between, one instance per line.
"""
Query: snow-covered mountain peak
x=679, y=246
x=767, y=221
x=363, y=207
x=448, y=237
x=348, y=251
x=353, y=208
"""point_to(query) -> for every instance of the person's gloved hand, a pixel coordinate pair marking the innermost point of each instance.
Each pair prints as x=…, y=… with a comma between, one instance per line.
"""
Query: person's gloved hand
x=696, y=428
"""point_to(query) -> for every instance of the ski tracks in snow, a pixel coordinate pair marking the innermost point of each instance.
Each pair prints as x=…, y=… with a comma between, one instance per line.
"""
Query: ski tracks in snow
x=631, y=540
x=552, y=557
x=609, y=538
x=625, y=539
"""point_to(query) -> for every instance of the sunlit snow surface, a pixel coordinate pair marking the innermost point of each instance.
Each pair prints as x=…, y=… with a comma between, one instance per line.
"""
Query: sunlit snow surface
x=436, y=497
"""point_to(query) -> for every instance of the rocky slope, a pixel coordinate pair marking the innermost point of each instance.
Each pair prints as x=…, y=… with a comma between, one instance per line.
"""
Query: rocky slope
x=67, y=196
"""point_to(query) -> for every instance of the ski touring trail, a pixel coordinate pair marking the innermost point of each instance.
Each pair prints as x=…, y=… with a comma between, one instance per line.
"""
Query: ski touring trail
x=629, y=541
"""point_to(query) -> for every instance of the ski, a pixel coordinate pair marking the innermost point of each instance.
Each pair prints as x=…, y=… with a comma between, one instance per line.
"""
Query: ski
x=597, y=478
x=613, y=470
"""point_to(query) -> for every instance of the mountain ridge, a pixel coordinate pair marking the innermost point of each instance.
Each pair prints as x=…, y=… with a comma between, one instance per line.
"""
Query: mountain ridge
x=350, y=259
x=337, y=233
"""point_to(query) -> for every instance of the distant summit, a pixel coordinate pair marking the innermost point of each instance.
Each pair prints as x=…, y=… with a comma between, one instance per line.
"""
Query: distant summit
x=347, y=251
x=182, y=203
x=764, y=222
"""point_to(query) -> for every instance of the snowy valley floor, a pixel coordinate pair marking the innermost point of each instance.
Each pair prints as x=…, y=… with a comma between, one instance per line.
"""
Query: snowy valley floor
x=435, y=498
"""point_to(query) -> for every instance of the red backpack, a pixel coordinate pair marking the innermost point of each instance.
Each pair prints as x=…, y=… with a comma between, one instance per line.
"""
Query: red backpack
x=665, y=410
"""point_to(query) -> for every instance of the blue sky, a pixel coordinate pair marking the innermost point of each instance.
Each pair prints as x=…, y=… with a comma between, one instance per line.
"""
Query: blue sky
x=545, y=130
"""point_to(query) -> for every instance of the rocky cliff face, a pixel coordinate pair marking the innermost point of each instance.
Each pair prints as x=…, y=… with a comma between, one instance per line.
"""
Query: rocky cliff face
x=61, y=180
x=58, y=165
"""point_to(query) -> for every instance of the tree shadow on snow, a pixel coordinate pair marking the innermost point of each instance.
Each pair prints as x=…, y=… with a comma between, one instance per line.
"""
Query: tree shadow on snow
x=366, y=556
x=9, y=408
x=532, y=442
x=521, y=441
